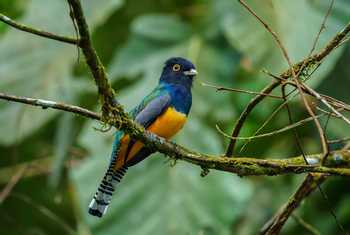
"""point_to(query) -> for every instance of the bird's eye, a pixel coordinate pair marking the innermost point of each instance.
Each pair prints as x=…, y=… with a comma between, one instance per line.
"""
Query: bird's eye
x=176, y=67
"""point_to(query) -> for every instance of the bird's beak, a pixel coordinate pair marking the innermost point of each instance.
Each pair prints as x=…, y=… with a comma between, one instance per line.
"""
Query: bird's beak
x=191, y=72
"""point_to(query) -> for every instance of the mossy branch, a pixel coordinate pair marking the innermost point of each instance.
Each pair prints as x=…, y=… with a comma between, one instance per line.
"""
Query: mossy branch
x=275, y=224
x=113, y=113
x=338, y=163
x=298, y=68
x=38, y=32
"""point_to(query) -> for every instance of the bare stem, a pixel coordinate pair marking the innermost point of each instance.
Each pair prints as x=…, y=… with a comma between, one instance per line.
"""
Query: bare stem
x=338, y=162
x=310, y=183
x=51, y=104
x=38, y=32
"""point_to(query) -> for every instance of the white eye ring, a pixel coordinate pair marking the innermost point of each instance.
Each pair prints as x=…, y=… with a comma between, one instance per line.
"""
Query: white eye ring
x=176, y=67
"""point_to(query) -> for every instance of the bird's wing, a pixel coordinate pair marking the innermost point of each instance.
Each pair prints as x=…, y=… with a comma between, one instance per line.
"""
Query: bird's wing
x=152, y=110
x=151, y=107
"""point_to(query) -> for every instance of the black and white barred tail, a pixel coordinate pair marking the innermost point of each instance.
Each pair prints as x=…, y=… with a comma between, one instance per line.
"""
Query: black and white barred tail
x=99, y=204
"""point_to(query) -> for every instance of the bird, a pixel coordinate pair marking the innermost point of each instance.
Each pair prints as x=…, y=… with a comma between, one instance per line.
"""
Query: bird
x=163, y=112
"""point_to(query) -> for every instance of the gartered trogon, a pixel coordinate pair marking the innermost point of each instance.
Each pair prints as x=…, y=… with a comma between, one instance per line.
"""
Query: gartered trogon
x=164, y=112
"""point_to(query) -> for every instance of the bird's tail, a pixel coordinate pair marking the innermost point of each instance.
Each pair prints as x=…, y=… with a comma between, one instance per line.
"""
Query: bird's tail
x=99, y=204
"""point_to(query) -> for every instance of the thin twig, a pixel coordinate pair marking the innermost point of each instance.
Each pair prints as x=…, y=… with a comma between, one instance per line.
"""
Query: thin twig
x=331, y=102
x=244, y=114
x=345, y=40
x=272, y=115
x=330, y=207
x=328, y=113
x=38, y=32
x=279, y=221
x=240, y=166
x=306, y=225
x=275, y=224
x=218, y=88
x=11, y=184
x=274, y=35
x=331, y=45
x=272, y=133
x=319, y=97
x=345, y=139
x=323, y=138
x=97, y=69
x=323, y=26
x=46, y=212
x=71, y=15
x=273, y=76
x=51, y=104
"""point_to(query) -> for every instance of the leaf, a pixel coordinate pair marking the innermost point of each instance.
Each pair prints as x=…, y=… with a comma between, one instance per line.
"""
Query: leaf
x=168, y=28
x=37, y=67
x=140, y=55
x=63, y=141
x=245, y=33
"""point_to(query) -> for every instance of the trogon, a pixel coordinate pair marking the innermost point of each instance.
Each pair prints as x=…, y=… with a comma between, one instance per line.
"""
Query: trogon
x=164, y=112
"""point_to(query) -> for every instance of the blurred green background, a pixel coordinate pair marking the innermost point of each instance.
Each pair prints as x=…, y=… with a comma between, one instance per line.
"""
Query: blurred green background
x=60, y=158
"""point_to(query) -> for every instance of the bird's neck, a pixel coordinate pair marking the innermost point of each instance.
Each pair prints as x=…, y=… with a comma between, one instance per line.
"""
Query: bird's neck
x=181, y=96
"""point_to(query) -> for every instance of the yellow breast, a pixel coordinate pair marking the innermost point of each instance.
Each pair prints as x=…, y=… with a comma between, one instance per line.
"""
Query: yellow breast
x=166, y=126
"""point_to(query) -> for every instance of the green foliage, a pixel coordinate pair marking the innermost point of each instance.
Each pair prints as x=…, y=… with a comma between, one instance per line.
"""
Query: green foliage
x=50, y=75
x=134, y=38
x=296, y=23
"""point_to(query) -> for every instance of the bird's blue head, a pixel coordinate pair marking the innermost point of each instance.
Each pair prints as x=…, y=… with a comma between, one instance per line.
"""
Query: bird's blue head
x=178, y=70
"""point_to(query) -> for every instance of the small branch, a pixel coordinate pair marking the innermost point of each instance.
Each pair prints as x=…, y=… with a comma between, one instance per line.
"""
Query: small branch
x=317, y=58
x=12, y=183
x=274, y=35
x=345, y=139
x=218, y=88
x=275, y=132
x=294, y=75
x=241, y=166
x=51, y=104
x=97, y=69
x=272, y=115
x=323, y=26
x=323, y=138
x=330, y=102
x=332, y=44
x=338, y=162
x=46, y=212
x=323, y=100
x=306, y=225
x=38, y=32
x=243, y=116
x=309, y=185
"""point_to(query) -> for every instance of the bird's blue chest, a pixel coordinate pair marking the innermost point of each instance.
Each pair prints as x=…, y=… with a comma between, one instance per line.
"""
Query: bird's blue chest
x=181, y=98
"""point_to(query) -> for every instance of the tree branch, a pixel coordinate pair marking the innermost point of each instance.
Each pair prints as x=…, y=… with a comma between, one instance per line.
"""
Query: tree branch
x=310, y=184
x=308, y=227
x=243, y=116
x=97, y=69
x=219, y=88
x=114, y=114
x=337, y=164
x=297, y=68
x=51, y=104
x=38, y=32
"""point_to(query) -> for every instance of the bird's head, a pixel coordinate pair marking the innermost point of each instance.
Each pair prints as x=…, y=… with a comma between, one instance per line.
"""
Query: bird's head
x=178, y=70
